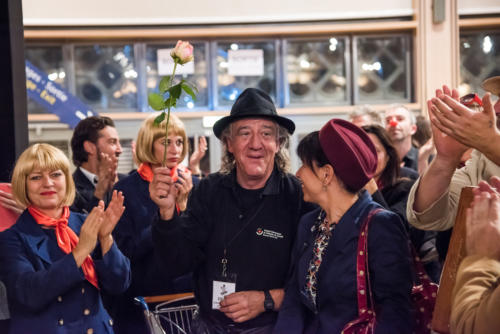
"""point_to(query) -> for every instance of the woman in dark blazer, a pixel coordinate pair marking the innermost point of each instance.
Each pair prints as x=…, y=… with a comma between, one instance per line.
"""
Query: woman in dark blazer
x=133, y=233
x=49, y=261
x=321, y=296
x=394, y=183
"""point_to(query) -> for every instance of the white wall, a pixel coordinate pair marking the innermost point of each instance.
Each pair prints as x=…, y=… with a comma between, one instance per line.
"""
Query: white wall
x=165, y=12
x=475, y=7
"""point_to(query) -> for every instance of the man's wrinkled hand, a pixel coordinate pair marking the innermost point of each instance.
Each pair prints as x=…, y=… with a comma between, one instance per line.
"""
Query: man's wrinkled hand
x=476, y=129
x=242, y=306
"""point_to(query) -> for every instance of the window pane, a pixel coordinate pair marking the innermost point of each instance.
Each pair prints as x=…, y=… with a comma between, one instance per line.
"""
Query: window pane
x=479, y=59
x=106, y=77
x=316, y=71
x=230, y=86
x=48, y=59
x=199, y=78
x=382, y=67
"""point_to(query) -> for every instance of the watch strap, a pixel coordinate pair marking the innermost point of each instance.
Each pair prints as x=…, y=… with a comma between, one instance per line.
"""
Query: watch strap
x=268, y=301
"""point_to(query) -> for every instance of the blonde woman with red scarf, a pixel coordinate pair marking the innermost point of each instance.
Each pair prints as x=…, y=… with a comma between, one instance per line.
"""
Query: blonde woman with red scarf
x=133, y=233
x=56, y=263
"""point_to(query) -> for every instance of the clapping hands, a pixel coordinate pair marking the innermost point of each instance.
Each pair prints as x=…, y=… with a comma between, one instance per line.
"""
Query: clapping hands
x=98, y=226
x=106, y=174
x=198, y=154
x=483, y=221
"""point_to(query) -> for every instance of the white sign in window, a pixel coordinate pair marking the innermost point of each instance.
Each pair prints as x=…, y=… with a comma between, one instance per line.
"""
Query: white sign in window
x=245, y=62
x=166, y=64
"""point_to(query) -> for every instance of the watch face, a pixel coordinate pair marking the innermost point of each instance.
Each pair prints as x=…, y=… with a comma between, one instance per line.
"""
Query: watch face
x=269, y=305
x=268, y=302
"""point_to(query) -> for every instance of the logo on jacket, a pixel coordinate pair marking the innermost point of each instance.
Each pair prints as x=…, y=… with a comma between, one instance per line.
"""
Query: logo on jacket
x=268, y=233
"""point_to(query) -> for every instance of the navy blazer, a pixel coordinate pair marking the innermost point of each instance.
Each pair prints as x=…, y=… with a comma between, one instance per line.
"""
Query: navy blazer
x=134, y=238
x=389, y=269
x=47, y=292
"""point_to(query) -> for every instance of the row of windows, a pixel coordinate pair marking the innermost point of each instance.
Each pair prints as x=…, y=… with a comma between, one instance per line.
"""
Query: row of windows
x=340, y=70
x=479, y=59
x=334, y=70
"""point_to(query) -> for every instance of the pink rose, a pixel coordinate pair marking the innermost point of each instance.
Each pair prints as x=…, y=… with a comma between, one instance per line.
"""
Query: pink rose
x=183, y=52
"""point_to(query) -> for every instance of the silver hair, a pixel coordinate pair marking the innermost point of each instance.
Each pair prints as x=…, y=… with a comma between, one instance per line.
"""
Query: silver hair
x=375, y=117
x=395, y=106
x=281, y=159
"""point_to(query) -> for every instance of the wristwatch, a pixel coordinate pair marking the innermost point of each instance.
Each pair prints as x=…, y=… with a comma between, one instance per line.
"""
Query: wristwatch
x=268, y=301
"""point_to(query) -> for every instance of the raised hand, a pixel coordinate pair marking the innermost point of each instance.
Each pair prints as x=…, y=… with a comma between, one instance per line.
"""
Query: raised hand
x=483, y=225
x=493, y=187
x=424, y=152
x=106, y=174
x=7, y=201
x=472, y=128
x=198, y=154
x=447, y=147
x=89, y=233
x=112, y=214
x=184, y=186
x=162, y=192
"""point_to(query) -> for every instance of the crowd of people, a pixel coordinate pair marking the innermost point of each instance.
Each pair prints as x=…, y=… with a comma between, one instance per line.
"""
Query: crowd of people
x=327, y=250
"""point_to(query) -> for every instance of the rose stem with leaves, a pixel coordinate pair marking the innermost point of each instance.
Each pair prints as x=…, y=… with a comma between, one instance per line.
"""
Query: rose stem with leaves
x=164, y=162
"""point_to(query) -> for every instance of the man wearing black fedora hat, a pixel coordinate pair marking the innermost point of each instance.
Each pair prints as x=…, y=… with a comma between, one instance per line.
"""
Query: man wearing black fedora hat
x=433, y=199
x=239, y=227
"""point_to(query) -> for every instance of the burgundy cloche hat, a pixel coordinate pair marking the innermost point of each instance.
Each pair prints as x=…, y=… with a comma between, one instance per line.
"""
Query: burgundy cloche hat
x=253, y=102
x=350, y=152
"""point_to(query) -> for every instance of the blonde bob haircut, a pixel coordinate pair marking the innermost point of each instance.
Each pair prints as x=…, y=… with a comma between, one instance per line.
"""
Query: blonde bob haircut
x=43, y=157
x=149, y=132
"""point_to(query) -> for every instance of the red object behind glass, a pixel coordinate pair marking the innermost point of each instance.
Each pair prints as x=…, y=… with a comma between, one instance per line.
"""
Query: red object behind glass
x=7, y=217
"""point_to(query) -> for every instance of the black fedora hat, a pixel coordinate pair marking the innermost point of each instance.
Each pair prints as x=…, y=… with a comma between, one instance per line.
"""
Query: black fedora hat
x=253, y=102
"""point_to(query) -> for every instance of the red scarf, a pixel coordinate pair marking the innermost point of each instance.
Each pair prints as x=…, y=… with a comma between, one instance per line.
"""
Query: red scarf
x=66, y=239
x=146, y=173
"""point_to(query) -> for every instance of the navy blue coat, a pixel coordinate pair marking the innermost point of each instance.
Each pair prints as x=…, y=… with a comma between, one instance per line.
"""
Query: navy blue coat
x=47, y=292
x=133, y=236
x=389, y=266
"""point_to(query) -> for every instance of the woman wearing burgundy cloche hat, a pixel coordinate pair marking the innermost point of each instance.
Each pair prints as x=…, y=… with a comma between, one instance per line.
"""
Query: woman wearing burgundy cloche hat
x=328, y=290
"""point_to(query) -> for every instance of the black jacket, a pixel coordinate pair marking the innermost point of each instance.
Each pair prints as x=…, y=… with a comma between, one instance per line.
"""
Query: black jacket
x=85, y=200
x=258, y=238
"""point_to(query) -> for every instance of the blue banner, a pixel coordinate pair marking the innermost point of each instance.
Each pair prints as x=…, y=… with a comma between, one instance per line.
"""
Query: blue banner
x=55, y=99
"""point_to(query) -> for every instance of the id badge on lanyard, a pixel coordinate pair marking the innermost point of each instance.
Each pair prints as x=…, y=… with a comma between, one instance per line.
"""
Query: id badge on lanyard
x=223, y=285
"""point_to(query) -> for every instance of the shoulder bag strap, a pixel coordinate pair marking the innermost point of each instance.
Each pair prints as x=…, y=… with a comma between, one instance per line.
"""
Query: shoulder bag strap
x=362, y=270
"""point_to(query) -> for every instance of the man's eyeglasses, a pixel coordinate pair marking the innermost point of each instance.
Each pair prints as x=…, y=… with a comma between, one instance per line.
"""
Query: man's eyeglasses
x=472, y=101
